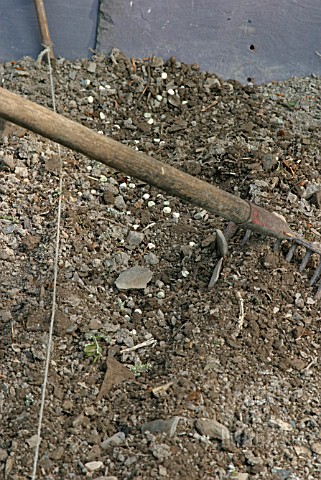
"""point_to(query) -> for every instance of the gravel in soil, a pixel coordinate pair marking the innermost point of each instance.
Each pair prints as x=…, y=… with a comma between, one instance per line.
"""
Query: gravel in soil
x=161, y=377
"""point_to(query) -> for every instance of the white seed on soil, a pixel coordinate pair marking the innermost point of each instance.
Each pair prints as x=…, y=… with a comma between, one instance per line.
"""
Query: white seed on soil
x=176, y=214
x=146, y=196
x=160, y=294
x=185, y=273
x=150, y=203
x=170, y=91
x=102, y=116
x=147, y=115
x=167, y=209
x=164, y=75
x=150, y=121
x=90, y=99
x=151, y=245
x=159, y=98
x=131, y=185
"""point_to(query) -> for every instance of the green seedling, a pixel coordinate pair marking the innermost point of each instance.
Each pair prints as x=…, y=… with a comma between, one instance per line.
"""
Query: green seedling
x=140, y=368
x=93, y=349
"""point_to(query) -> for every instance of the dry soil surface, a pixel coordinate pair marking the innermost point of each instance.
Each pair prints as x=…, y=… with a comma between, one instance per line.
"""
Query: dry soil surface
x=171, y=380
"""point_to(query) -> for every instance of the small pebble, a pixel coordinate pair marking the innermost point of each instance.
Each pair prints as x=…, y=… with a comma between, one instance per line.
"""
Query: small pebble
x=170, y=91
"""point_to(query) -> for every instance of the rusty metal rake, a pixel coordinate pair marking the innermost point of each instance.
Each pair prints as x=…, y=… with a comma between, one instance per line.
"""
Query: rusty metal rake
x=242, y=213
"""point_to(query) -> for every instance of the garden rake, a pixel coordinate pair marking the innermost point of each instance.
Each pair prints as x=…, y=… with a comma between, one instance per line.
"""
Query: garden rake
x=242, y=213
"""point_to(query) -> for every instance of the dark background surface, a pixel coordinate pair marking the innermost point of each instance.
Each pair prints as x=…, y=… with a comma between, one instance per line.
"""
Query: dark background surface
x=243, y=39
x=72, y=24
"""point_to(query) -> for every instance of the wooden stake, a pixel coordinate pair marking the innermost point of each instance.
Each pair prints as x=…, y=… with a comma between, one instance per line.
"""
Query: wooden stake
x=43, y=26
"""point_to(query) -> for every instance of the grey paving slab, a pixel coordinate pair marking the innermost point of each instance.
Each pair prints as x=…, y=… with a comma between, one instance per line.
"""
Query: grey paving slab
x=243, y=39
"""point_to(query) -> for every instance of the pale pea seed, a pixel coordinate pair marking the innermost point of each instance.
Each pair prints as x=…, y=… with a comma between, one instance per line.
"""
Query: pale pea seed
x=146, y=196
x=185, y=273
x=147, y=114
x=150, y=203
x=156, y=140
x=135, y=227
x=132, y=185
x=90, y=99
x=100, y=132
x=184, y=102
x=151, y=245
x=150, y=121
x=102, y=116
x=122, y=186
x=170, y=91
x=167, y=209
x=159, y=98
x=176, y=215
x=160, y=294
x=164, y=75
x=166, y=203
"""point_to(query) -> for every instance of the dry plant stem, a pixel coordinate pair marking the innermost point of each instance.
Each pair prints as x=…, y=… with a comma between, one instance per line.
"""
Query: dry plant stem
x=241, y=315
x=147, y=343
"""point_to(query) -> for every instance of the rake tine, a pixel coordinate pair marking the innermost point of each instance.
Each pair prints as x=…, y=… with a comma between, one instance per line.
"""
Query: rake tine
x=316, y=275
x=317, y=296
x=305, y=260
x=290, y=254
x=246, y=237
x=277, y=245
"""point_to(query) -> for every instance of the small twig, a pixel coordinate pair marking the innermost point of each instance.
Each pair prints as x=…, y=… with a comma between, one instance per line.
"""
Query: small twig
x=148, y=343
x=310, y=364
x=204, y=109
x=241, y=315
x=147, y=84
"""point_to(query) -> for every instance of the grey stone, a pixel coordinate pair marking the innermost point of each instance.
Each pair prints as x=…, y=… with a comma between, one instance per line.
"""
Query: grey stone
x=134, y=238
x=151, y=259
x=213, y=429
x=161, y=426
x=120, y=202
x=134, y=278
x=161, y=451
x=268, y=161
x=91, y=67
x=3, y=455
x=113, y=441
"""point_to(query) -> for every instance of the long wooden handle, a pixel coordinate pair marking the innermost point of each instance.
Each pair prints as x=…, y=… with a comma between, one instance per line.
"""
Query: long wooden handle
x=73, y=135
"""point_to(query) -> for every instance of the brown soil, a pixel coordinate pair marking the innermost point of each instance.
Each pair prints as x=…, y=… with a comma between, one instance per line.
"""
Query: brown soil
x=259, y=378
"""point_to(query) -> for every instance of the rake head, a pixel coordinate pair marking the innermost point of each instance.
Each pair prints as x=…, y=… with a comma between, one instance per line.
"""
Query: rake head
x=273, y=225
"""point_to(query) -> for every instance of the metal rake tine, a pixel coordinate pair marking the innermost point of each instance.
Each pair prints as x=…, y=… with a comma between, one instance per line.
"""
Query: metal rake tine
x=317, y=296
x=316, y=275
x=246, y=237
x=305, y=260
x=277, y=245
x=290, y=254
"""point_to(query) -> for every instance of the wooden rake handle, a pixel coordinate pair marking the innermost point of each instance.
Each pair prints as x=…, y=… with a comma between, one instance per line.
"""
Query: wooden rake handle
x=73, y=135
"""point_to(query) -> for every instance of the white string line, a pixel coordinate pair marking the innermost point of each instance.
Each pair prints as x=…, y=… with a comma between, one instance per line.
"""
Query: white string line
x=54, y=292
